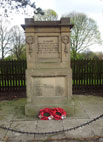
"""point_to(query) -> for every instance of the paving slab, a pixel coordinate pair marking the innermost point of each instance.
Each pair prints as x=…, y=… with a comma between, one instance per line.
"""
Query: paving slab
x=82, y=132
x=20, y=114
x=80, y=112
x=93, y=110
x=6, y=117
x=25, y=126
x=89, y=99
x=3, y=133
x=98, y=127
x=49, y=126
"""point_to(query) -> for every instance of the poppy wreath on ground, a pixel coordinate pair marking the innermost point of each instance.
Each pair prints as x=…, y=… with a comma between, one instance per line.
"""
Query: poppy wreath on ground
x=45, y=114
x=58, y=113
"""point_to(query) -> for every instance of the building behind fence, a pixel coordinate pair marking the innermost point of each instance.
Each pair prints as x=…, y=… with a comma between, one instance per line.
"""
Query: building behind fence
x=87, y=76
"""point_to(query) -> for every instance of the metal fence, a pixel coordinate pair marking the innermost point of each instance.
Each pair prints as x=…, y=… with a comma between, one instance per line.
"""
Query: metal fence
x=87, y=76
x=12, y=76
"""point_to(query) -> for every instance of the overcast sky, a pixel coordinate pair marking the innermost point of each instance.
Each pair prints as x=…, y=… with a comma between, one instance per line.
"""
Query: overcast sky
x=93, y=8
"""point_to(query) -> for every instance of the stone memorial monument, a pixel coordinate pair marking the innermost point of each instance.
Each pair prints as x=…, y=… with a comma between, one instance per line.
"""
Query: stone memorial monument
x=48, y=74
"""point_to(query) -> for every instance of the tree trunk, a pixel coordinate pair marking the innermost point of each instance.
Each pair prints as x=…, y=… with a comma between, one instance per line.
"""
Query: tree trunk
x=2, y=54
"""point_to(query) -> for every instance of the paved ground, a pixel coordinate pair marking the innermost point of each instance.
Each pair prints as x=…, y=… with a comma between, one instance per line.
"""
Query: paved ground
x=84, y=108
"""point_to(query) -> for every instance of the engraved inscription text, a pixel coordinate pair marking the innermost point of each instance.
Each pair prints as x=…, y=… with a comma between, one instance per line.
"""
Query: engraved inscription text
x=48, y=47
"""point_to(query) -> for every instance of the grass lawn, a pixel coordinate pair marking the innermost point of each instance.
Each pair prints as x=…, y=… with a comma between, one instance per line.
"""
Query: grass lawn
x=12, y=83
x=13, y=109
x=17, y=83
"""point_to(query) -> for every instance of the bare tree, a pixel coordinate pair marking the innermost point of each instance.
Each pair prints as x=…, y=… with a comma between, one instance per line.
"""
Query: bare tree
x=5, y=37
x=84, y=34
x=18, y=42
x=18, y=6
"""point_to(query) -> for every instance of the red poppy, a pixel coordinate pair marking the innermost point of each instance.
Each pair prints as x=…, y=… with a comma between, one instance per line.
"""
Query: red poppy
x=45, y=114
x=48, y=114
x=58, y=113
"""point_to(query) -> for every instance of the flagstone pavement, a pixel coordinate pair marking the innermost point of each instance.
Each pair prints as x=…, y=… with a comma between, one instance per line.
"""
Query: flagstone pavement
x=83, y=109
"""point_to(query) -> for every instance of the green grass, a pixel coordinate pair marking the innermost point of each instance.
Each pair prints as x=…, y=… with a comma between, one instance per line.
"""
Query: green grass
x=13, y=109
x=21, y=83
x=88, y=82
x=12, y=83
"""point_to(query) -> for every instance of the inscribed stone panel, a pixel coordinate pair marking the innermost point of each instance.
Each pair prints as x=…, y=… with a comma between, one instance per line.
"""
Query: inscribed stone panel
x=49, y=86
x=48, y=48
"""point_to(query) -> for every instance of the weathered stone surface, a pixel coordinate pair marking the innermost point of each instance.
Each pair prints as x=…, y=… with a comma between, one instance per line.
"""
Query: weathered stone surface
x=82, y=132
x=91, y=133
x=3, y=132
x=48, y=74
x=50, y=126
x=48, y=49
x=98, y=127
x=49, y=86
x=24, y=126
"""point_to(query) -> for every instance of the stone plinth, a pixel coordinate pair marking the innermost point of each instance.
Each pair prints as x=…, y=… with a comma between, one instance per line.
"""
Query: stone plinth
x=48, y=74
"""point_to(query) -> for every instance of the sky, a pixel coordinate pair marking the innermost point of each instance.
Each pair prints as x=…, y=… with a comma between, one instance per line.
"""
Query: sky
x=92, y=8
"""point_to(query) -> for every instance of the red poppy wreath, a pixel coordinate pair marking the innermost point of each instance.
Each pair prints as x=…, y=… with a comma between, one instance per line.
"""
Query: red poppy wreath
x=55, y=113
x=58, y=113
x=45, y=114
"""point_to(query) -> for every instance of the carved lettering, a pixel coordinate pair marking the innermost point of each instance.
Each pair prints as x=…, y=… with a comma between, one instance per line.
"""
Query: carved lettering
x=49, y=86
x=48, y=47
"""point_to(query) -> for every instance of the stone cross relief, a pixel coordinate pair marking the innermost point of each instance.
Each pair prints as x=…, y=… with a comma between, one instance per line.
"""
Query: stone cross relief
x=29, y=41
x=65, y=40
